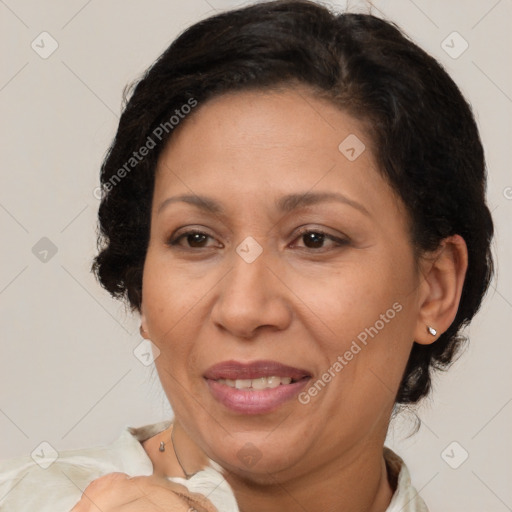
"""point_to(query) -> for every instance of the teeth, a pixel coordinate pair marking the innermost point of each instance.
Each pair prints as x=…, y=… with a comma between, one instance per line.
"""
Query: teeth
x=273, y=382
x=243, y=383
x=261, y=383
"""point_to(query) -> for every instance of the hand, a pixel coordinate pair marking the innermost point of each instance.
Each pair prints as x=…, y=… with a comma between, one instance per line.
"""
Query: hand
x=120, y=493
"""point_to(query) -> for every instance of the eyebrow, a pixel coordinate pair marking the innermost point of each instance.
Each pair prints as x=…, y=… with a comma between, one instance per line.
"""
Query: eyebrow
x=284, y=204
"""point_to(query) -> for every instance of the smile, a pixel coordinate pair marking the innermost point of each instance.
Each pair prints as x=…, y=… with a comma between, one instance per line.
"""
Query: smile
x=252, y=384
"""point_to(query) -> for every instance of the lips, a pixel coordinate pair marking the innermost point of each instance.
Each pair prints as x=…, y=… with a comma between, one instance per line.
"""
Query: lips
x=234, y=370
x=260, y=387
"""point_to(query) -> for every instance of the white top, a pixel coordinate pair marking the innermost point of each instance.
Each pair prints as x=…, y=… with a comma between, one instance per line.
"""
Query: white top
x=25, y=486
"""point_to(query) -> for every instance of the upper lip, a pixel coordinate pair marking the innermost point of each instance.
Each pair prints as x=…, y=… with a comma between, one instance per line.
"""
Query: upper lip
x=234, y=370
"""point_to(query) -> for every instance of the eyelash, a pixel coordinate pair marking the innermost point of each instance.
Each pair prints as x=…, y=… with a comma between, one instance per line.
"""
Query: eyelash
x=338, y=241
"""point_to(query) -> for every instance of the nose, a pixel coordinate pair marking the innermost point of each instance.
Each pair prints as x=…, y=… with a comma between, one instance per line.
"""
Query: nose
x=252, y=297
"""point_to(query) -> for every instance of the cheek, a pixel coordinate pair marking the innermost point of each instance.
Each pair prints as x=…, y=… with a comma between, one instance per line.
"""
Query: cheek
x=168, y=305
x=369, y=311
x=353, y=298
x=169, y=297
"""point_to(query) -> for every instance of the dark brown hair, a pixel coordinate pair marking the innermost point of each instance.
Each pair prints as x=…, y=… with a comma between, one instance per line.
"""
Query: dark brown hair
x=424, y=136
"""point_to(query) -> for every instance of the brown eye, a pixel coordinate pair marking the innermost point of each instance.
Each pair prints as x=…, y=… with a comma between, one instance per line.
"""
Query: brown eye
x=194, y=239
x=315, y=239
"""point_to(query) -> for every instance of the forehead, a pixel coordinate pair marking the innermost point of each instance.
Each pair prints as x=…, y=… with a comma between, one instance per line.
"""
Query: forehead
x=293, y=119
x=261, y=143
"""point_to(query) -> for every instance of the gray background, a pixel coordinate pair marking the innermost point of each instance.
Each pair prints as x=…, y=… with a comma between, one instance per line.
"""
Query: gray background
x=68, y=374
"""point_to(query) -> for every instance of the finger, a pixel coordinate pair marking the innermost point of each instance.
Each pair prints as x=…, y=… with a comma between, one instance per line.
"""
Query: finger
x=117, y=491
x=101, y=492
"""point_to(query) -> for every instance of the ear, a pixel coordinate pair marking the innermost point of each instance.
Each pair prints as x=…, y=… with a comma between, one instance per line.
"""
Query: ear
x=143, y=324
x=443, y=274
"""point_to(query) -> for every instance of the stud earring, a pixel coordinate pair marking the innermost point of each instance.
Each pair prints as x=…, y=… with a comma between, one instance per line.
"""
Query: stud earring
x=431, y=330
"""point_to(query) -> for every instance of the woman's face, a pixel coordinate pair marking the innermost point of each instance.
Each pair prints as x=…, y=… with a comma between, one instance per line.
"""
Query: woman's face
x=302, y=260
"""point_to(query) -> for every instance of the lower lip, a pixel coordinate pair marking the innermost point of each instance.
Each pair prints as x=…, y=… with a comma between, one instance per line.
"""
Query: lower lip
x=259, y=401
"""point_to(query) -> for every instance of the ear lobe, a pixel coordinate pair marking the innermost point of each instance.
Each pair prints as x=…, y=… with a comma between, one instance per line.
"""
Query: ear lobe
x=143, y=324
x=443, y=274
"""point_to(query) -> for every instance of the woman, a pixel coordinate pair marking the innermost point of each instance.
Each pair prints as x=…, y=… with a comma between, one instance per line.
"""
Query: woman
x=295, y=204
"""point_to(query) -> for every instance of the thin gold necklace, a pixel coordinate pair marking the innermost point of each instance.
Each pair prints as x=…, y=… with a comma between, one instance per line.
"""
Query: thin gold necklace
x=162, y=449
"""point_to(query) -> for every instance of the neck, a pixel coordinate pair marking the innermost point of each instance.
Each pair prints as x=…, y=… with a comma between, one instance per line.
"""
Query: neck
x=357, y=481
x=361, y=484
